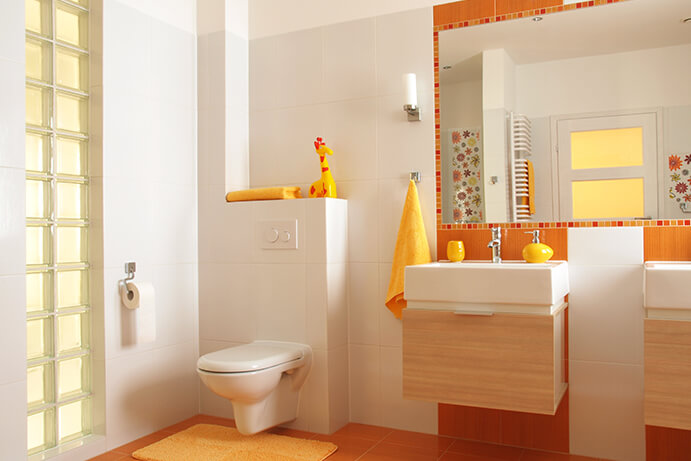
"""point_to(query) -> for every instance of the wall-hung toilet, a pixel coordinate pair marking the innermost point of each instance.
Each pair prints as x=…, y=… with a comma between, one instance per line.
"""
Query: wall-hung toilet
x=261, y=379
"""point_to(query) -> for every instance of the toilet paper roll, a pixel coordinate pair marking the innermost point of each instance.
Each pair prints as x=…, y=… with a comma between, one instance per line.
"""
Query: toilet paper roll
x=129, y=295
x=141, y=297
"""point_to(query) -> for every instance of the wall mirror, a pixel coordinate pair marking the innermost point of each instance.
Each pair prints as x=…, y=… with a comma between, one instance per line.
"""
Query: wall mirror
x=577, y=115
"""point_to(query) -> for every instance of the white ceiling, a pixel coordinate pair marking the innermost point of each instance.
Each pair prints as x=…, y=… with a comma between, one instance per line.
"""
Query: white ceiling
x=612, y=28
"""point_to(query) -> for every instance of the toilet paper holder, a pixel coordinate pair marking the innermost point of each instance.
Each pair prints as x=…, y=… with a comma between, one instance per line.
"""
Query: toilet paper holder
x=130, y=269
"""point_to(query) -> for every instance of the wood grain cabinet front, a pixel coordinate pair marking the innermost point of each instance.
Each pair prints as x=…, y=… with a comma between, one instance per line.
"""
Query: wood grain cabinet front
x=667, y=373
x=502, y=361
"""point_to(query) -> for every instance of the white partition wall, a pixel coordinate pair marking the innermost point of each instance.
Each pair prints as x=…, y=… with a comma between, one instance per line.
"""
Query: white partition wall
x=248, y=292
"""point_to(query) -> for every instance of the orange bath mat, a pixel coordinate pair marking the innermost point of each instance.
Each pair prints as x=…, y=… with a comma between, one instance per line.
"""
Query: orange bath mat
x=207, y=442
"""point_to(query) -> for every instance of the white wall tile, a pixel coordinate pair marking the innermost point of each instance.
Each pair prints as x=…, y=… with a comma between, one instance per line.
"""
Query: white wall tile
x=173, y=65
x=349, y=60
x=282, y=146
x=337, y=282
x=211, y=161
x=278, y=299
x=12, y=226
x=129, y=150
x=316, y=305
x=339, y=402
x=126, y=48
x=128, y=220
x=174, y=142
x=11, y=113
x=606, y=314
x=226, y=231
x=13, y=329
x=280, y=210
x=404, y=146
x=316, y=230
x=180, y=14
x=403, y=44
x=298, y=61
x=313, y=409
x=409, y=415
x=176, y=302
x=175, y=227
x=263, y=71
x=12, y=30
x=607, y=245
x=226, y=312
x=337, y=231
x=141, y=387
x=216, y=70
x=365, y=384
x=364, y=313
x=237, y=110
x=606, y=411
x=363, y=219
x=13, y=421
x=350, y=129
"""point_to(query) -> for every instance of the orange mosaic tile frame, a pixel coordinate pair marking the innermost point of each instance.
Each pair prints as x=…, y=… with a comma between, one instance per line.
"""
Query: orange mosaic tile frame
x=475, y=12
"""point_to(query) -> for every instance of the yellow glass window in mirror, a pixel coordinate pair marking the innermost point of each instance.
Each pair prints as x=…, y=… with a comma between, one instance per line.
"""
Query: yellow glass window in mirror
x=607, y=148
x=610, y=198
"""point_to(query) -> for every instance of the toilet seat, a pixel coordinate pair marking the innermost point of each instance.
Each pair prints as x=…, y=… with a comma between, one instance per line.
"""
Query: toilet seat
x=255, y=356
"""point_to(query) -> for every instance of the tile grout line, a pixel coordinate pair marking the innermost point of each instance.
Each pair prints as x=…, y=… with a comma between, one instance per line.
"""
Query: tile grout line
x=375, y=445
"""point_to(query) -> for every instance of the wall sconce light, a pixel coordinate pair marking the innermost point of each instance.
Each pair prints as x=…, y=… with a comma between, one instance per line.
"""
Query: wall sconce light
x=410, y=106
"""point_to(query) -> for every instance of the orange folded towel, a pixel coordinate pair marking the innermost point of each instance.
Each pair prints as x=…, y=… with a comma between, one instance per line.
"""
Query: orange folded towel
x=411, y=249
x=267, y=193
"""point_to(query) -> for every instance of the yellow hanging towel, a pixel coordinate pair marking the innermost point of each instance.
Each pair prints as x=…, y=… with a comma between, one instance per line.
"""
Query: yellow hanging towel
x=411, y=249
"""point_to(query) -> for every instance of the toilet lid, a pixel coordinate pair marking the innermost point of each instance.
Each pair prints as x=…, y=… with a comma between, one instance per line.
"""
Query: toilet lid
x=249, y=357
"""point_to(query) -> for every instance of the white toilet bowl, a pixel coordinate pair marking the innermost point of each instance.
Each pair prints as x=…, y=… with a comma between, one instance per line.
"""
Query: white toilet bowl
x=261, y=379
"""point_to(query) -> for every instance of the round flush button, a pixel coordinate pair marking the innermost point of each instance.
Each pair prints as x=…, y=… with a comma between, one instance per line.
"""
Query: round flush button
x=271, y=235
x=285, y=236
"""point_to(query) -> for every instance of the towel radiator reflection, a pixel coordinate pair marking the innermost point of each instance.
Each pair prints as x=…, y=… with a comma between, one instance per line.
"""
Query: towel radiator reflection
x=520, y=147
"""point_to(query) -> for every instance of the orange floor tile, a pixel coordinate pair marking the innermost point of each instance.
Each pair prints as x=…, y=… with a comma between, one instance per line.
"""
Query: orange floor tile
x=370, y=443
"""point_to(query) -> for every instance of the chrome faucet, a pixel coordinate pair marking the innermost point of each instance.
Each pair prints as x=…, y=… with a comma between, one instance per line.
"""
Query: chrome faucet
x=495, y=244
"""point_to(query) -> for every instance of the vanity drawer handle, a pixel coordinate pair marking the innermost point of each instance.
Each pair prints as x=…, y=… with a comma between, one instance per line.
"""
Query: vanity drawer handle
x=474, y=313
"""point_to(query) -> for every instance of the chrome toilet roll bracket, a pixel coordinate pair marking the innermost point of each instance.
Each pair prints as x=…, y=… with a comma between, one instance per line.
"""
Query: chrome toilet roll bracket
x=130, y=269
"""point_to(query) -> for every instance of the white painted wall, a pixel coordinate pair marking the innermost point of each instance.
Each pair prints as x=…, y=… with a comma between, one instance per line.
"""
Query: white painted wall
x=271, y=17
x=344, y=83
x=638, y=79
x=149, y=191
x=498, y=98
x=12, y=232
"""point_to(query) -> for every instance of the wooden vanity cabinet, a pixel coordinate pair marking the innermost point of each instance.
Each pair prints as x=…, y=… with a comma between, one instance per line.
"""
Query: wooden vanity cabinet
x=667, y=373
x=504, y=361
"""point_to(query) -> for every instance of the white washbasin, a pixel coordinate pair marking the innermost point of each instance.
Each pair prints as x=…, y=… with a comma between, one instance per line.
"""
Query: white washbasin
x=666, y=293
x=510, y=286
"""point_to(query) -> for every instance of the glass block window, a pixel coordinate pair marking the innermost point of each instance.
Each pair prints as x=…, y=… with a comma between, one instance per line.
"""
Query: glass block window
x=57, y=191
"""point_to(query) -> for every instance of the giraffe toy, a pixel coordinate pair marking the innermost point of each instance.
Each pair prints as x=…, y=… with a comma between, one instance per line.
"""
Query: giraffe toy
x=324, y=186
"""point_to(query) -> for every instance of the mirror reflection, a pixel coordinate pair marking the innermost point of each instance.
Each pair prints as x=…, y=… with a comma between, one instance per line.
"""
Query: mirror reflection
x=582, y=115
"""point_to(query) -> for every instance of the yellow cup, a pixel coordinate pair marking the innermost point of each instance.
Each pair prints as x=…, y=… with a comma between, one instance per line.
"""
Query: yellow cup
x=455, y=250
